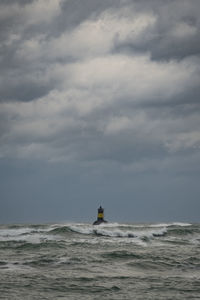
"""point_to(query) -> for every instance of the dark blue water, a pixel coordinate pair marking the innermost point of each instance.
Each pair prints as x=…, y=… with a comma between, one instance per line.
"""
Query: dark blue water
x=112, y=261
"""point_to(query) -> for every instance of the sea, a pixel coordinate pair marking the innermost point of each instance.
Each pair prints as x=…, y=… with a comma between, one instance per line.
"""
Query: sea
x=110, y=261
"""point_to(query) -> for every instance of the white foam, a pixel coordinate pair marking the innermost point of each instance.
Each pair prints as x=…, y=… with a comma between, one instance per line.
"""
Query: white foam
x=111, y=225
x=82, y=229
x=180, y=224
x=34, y=238
x=14, y=232
x=162, y=225
x=153, y=233
x=114, y=231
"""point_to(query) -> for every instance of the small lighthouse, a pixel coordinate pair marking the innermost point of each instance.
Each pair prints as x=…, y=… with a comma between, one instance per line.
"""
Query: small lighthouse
x=100, y=217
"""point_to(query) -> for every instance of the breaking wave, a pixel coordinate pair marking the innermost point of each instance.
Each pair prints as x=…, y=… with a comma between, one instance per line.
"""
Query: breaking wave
x=117, y=231
x=138, y=233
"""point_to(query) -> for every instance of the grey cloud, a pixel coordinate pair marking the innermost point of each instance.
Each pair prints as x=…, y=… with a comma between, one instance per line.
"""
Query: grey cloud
x=101, y=89
x=174, y=35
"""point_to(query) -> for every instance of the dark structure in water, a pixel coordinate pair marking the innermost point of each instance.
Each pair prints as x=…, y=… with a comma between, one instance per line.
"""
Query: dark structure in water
x=100, y=217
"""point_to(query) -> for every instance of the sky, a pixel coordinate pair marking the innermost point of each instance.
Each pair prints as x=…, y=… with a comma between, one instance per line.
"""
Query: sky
x=99, y=105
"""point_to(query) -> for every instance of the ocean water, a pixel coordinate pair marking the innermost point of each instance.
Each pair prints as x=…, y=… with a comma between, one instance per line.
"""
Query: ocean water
x=111, y=261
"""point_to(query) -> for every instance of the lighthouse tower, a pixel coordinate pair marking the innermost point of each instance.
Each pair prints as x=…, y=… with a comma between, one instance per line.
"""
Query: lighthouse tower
x=100, y=217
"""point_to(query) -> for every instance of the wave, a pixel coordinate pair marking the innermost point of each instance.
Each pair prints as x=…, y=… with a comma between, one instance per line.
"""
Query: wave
x=182, y=231
x=180, y=224
x=58, y=232
x=121, y=254
x=168, y=224
x=25, y=235
x=114, y=231
x=61, y=230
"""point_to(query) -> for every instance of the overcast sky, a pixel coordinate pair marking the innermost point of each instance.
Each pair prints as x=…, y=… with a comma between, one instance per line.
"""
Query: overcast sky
x=99, y=104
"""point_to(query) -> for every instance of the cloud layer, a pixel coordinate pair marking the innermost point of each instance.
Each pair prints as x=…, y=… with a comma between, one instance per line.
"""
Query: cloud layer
x=125, y=74
x=101, y=83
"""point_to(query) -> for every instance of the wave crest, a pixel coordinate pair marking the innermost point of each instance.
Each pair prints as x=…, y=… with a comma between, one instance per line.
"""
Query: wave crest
x=116, y=231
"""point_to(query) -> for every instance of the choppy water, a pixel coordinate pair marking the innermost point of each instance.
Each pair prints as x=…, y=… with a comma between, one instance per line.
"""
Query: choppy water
x=112, y=261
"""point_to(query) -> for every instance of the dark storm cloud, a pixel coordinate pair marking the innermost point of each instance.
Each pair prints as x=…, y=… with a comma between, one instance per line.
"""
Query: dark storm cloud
x=23, y=22
x=175, y=33
x=102, y=87
x=178, y=29
x=99, y=101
